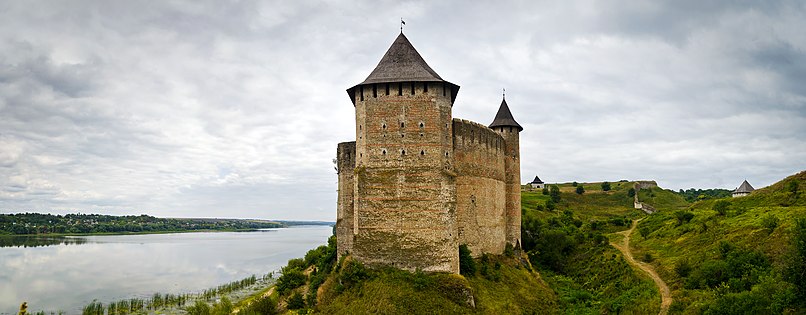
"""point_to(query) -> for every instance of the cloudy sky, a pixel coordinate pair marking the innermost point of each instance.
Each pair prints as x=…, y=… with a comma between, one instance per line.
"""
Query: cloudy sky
x=234, y=109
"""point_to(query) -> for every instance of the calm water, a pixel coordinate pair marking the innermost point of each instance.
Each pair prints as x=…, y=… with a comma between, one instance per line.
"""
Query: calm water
x=66, y=274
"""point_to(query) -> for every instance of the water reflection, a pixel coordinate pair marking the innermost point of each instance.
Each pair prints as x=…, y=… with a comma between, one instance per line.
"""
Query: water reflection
x=67, y=276
x=37, y=241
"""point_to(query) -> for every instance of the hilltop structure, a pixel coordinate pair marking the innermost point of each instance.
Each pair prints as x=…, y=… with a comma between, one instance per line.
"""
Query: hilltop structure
x=416, y=183
x=537, y=183
x=743, y=190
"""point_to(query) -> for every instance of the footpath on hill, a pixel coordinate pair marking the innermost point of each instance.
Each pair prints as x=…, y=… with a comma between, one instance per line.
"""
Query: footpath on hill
x=624, y=248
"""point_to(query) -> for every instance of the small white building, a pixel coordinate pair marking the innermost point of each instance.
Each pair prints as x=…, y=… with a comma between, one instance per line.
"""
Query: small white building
x=537, y=183
x=743, y=190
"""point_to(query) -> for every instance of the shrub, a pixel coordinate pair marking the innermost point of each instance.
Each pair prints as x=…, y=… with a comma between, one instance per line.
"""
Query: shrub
x=290, y=279
x=261, y=306
x=682, y=268
x=580, y=190
x=545, y=190
x=721, y=206
x=631, y=192
x=296, y=302
x=769, y=222
x=352, y=273
x=574, y=184
x=606, y=186
x=796, y=272
x=555, y=193
x=509, y=250
x=200, y=308
x=725, y=248
x=467, y=266
x=648, y=257
x=683, y=216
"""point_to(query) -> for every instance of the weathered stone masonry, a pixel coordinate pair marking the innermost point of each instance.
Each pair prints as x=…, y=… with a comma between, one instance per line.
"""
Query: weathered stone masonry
x=416, y=183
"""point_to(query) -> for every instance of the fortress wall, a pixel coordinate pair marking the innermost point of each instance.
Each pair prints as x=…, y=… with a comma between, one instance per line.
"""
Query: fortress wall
x=480, y=189
x=404, y=187
x=345, y=159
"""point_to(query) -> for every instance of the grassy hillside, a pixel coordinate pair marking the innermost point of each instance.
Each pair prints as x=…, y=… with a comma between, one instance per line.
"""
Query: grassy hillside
x=730, y=255
x=569, y=248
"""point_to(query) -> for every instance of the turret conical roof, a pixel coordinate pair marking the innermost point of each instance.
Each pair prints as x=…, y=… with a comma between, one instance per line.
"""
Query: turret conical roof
x=504, y=117
x=402, y=63
x=537, y=180
x=744, y=188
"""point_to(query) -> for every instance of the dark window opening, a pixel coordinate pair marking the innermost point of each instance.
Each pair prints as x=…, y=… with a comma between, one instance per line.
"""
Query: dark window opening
x=422, y=152
x=374, y=90
x=402, y=152
x=383, y=151
x=446, y=154
x=421, y=134
x=387, y=88
x=412, y=88
x=402, y=125
x=422, y=125
x=361, y=90
x=359, y=127
x=443, y=89
x=400, y=89
x=510, y=129
x=425, y=87
x=383, y=126
x=402, y=135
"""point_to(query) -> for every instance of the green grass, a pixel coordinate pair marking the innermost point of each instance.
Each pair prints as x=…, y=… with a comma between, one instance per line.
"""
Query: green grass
x=746, y=225
x=511, y=289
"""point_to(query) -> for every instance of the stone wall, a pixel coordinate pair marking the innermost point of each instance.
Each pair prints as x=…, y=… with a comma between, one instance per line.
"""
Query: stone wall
x=345, y=220
x=480, y=189
x=404, y=183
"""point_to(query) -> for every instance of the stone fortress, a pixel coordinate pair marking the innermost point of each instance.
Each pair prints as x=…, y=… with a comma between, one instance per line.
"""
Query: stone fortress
x=417, y=182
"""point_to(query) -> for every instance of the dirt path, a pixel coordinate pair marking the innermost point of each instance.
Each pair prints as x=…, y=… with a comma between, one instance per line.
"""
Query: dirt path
x=624, y=247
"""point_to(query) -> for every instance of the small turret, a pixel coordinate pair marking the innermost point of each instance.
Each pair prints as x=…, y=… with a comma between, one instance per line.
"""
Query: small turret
x=505, y=125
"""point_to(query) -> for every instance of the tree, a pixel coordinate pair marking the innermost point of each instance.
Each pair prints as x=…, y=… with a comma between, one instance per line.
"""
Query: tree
x=606, y=186
x=631, y=192
x=580, y=189
x=555, y=193
x=574, y=184
x=467, y=266
x=545, y=190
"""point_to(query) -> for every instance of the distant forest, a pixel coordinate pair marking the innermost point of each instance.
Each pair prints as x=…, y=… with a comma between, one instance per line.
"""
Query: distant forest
x=692, y=194
x=37, y=223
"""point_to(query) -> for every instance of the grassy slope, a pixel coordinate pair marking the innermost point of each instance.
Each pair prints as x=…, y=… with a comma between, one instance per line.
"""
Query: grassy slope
x=595, y=278
x=672, y=242
x=515, y=290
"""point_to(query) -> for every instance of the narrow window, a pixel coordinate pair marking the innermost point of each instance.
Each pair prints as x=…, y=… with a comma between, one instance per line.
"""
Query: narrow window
x=383, y=151
x=402, y=135
x=359, y=127
x=446, y=154
x=383, y=126
x=422, y=124
x=400, y=89
x=425, y=87
x=374, y=90
x=387, y=88
x=402, y=125
x=412, y=88
x=422, y=152
x=443, y=89
x=402, y=152
x=361, y=90
x=510, y=129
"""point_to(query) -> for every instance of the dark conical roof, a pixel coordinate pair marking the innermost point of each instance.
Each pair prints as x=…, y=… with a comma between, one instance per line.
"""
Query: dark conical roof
x=744, y=188
x=537, y=180
x=504, y=117
x=402, y=63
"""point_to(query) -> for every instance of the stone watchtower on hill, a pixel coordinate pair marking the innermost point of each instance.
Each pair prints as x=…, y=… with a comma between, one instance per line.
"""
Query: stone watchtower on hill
x=417, y=183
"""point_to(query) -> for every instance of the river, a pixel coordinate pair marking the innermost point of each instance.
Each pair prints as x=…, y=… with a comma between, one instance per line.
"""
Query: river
x=67, y=273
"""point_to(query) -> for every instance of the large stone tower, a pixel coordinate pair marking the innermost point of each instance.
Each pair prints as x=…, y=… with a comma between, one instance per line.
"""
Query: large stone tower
x=416, y=183
x=505, y=125
x=404, y=193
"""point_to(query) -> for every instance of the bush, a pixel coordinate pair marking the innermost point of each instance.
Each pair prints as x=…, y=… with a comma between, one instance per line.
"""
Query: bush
x=769, y=222
x=200, y=308
x=574, y=184
x=721, y=206
x=648, y=257
x=290, y=279
x=467, y=266
x=261, y=306
x=796, y=271
x=606, y=186
x=545, y=190
x=580, y=190
x=296, y=302
x=683, y=216
x=555, y=193
x=631, y=192
x=682, y=268
x=352, y=273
